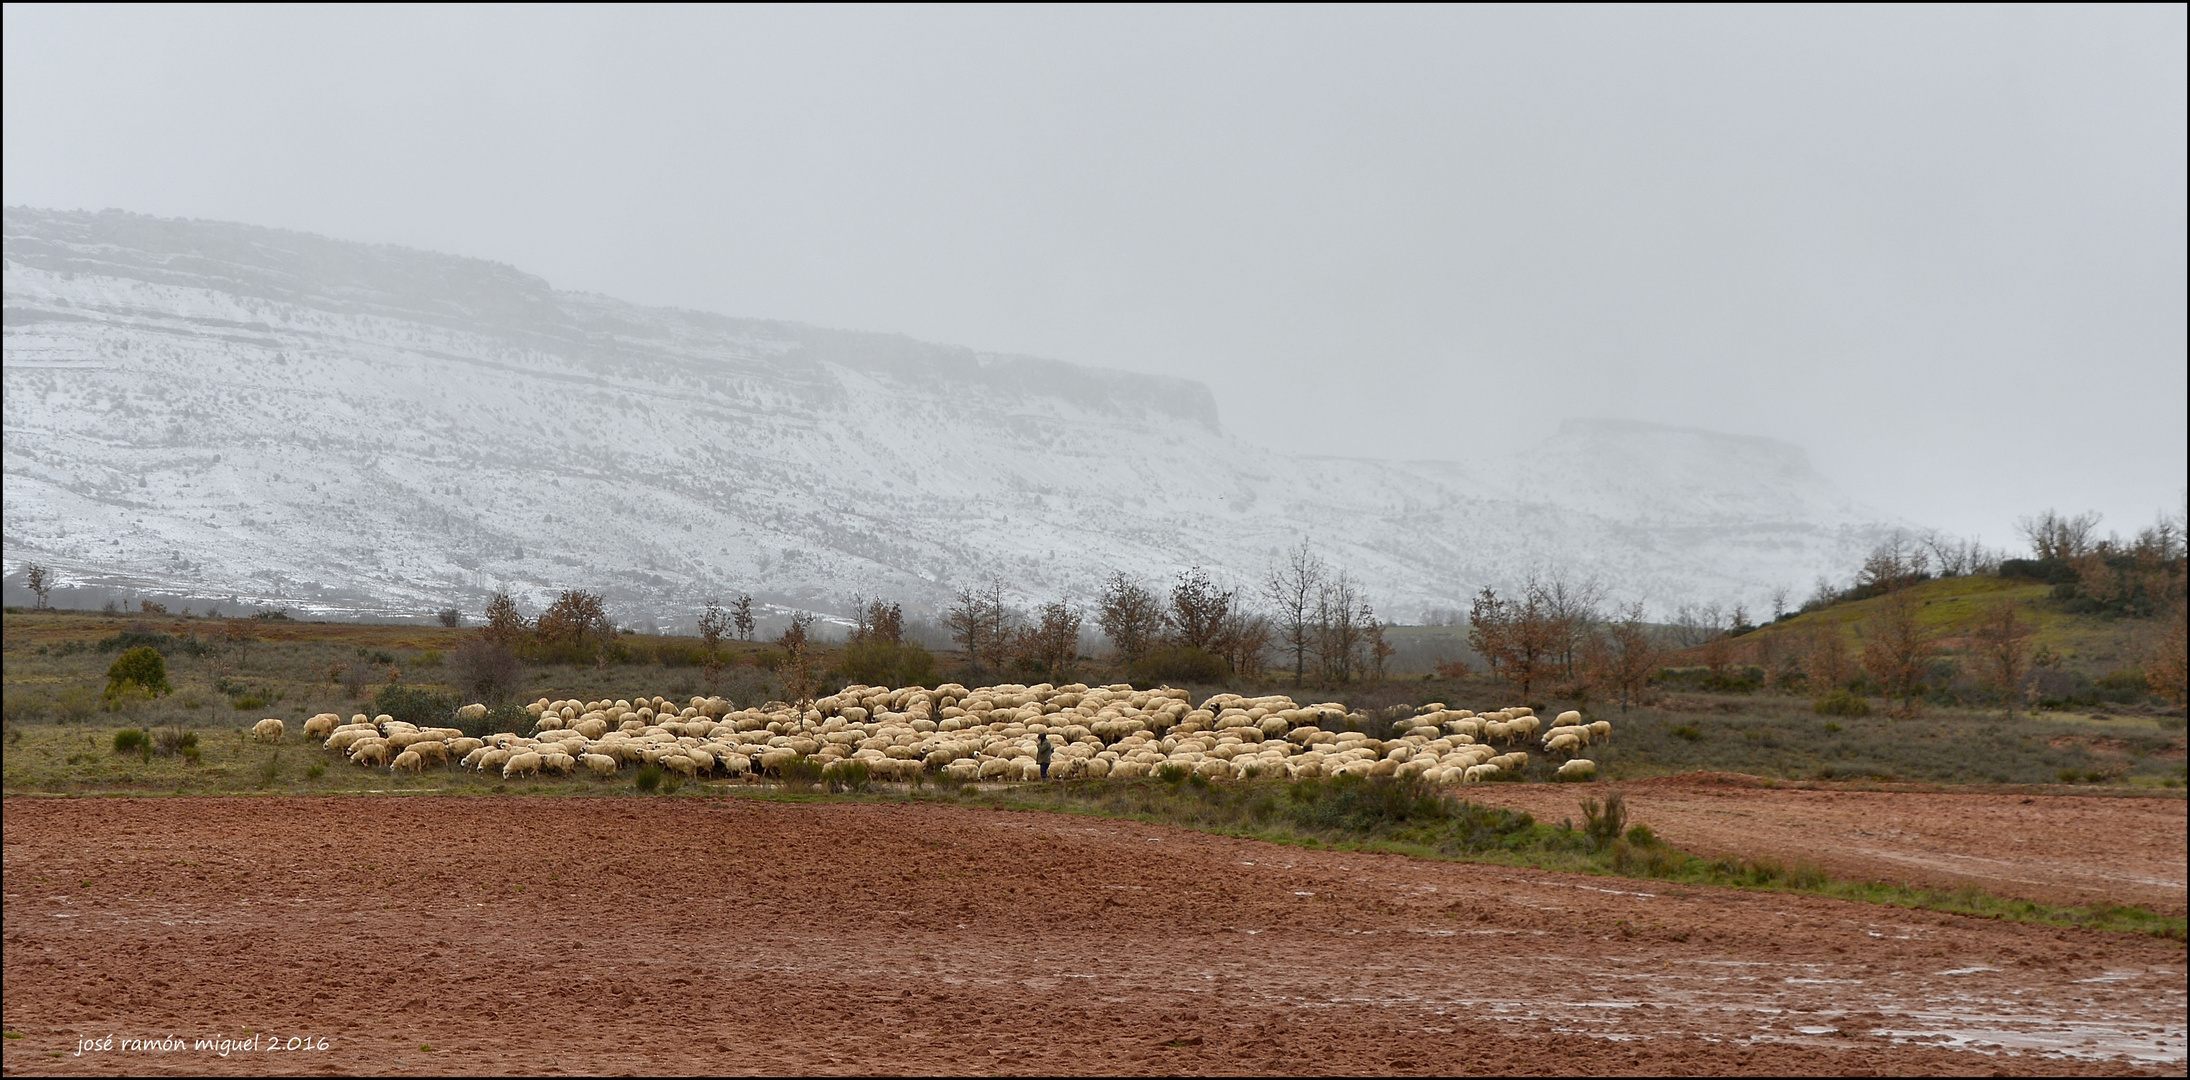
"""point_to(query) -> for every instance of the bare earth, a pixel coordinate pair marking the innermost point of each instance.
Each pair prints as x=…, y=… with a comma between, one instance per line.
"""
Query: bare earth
x=518, y=936
x=2061, y=849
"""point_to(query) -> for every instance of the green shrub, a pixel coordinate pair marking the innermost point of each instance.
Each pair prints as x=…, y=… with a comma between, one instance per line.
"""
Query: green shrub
x=800, y=774
x=769, y=658
x=142, y=667
x=316, y=770
x=846, y=775
x=175, y=740
x=1842, y=702
x=1604, y=824
x=246, y=702
x=1641, y=836
x=130, y=741
x=415, y=705
x=878, y=661
x=506, y=717
x=429, y=658
x=1179, y=663
x=649, y=778
x=137, y=639
x=680, y=654
x=1689, y=732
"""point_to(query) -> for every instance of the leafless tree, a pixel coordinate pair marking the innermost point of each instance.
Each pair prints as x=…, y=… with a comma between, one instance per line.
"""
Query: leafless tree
x=1247, y=638
x=1130, y=616
x=576, y=617
x=741, y=614
x=1052, y=644
x=450, y=617
x=1897, y=561
x=2053, y=535
x=981, y=624
x=39, y=581
x=875, y=619
x=486, y=669
x=504, y=622
x=1896, y=651
x=1571, y=609
x=2003, y=651
x=1623, y=655
x=1198, y=610
x=1291, y=590
x=1826, y=665
x=1338, y=627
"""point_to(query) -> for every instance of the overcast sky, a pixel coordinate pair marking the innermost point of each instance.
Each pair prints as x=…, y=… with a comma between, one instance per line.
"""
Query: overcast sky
x=1942, y=249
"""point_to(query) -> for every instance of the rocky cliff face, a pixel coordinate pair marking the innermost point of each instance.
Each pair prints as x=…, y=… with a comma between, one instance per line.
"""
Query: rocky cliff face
x=223, y=411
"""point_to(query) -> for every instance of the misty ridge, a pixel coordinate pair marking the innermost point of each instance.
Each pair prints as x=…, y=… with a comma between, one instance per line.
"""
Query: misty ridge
x=211, y=412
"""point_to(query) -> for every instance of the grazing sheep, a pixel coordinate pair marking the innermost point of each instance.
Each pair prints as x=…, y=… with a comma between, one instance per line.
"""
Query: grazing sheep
x=321, y=726
x=600, y=764
x=267, y=730
x=407, y=761
x=1568, y=717
x=471, y=712
x=525, y=764
x=1479, y=773
x=1578, y=769
x=1601, y=730
x=370, y=752
x=1564, y=742
x=432, y=751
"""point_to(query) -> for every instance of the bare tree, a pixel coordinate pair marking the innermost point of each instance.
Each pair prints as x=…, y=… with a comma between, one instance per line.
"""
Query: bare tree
x=1247, y=638
x=1130, y=616
x=1052, y=644
x=981, y=625
x=485, y=669
x=1624, y=655
x=2167, y=674
x=1291, y=590
x=796, y=641
x=1198, y=610
x=2053, y=535
x=1572, y=613
x=1376, y=652
x=1338, y=627
x=741, y=614
x=504, y=622
x=1896, y=651
x=450, y=617
x=1826, y=665
x=39, y=581
x=576, y=617
x=877, y=620
x=1897, y=561
x=2003, y=651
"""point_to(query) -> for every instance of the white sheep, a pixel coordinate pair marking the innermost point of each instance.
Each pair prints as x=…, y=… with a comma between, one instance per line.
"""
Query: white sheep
x=1601, y=730
x=525, y=764
x=1578, y=769
x=473, y=711
x=407, y=761
x=600, y=764
x=321, y=726
x=267, y=730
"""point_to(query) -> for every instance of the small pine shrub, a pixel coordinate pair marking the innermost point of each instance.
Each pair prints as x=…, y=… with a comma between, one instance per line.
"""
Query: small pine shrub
x=1604, y=824
x=847, y=775
x=1842, y=702
x=649, y=778
x=317, y=770
x=142, y=667
x=130, y=741
x=176, y=741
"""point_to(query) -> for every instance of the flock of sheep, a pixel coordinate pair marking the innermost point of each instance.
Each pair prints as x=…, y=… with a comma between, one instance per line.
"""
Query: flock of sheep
x=1008, y=732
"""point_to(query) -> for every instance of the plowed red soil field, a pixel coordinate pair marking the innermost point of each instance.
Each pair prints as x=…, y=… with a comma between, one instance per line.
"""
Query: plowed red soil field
x=522, y=936
x=2061, y=849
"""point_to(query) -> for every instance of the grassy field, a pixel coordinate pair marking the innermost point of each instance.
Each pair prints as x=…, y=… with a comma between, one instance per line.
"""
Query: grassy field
x=59, y=730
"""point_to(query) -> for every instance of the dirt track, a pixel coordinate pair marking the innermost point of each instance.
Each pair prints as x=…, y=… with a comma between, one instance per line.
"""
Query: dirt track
x=620, y=935
x=2062, y=849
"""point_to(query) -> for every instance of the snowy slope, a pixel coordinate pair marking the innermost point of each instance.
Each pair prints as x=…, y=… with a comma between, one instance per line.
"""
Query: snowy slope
x=219, y=410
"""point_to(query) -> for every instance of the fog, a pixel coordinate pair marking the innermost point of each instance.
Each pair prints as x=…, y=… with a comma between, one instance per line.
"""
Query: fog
x=1942, y=249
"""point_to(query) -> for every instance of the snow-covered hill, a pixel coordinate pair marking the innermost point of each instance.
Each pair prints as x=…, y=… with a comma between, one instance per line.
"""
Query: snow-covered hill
x=223, y=411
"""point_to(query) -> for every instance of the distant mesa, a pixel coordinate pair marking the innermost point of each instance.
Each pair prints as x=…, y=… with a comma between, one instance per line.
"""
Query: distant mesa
x=368, y=429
